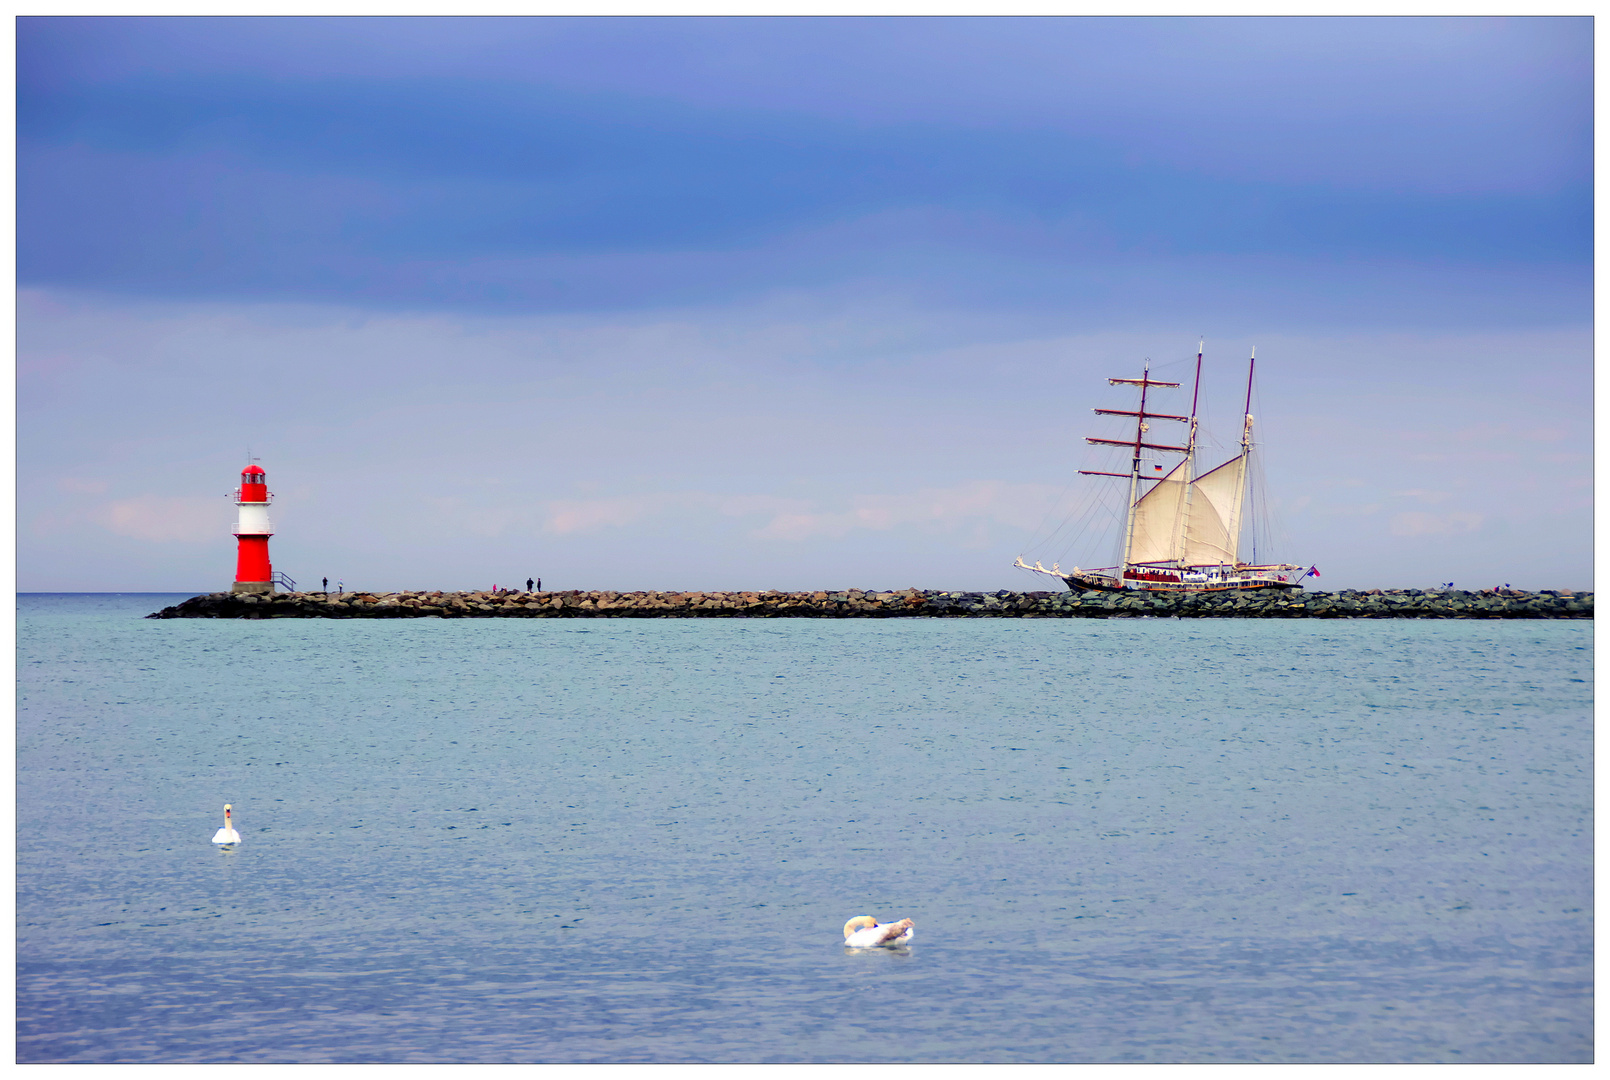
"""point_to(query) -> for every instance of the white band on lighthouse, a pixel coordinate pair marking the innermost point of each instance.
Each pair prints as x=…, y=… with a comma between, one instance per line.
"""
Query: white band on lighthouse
x=253, y=520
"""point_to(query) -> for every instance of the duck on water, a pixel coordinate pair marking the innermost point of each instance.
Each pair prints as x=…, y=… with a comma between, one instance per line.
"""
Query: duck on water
x=864, y=931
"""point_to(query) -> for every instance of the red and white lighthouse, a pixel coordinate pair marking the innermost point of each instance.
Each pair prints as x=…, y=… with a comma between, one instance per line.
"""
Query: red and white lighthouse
x=253, y=573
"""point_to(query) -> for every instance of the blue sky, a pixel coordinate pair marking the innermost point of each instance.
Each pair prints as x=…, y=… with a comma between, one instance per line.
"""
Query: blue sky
x=705, y=303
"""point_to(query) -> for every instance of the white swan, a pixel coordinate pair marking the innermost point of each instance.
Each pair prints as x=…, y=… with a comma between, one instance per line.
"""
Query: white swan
x=864, y=930
x=227, y=834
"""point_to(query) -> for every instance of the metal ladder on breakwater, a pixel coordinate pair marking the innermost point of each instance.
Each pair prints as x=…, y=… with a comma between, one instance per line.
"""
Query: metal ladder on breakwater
x=284, y=579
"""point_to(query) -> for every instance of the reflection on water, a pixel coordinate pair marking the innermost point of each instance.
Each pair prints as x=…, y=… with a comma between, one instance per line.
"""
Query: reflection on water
x=1149, y=840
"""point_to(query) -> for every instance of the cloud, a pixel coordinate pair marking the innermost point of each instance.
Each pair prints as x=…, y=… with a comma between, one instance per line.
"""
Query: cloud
x=1420, y=523
x=590, y=515
x=565, y=516
x=1350, y=510
x=972, y=504
x=154, y=518
x=1447, y=104
x=548, y=166
x=163, y=519
x=791, y=520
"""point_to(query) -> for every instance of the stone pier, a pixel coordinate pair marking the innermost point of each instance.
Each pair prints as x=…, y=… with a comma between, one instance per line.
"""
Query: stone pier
x=906, y=603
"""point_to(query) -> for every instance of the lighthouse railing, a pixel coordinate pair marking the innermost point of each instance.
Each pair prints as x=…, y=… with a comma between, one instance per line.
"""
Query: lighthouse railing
x=284, y=581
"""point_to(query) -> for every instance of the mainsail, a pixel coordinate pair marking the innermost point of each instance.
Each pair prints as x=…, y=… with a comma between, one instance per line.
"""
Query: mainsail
x=1158, y=528
x=1213, y=525
x=1188, y=522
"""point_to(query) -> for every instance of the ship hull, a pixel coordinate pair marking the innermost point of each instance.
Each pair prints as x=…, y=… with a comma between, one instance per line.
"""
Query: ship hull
x=1097, y=583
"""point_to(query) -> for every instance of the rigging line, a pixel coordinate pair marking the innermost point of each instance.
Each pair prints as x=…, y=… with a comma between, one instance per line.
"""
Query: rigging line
x=1092, y=499
x=1263, y=519
x=1093, y=508
x=1101, y=502
x=1116, y=511
x=1104, y=514
x=1257, y=525
x=1045, y=517
x=1052, y=538
x=1040, y=537
x=1084, y=517
x=1083, y=509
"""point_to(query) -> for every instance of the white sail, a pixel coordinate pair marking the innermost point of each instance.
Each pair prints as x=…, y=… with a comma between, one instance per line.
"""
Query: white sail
x=1160, y=519
x=1213, y=528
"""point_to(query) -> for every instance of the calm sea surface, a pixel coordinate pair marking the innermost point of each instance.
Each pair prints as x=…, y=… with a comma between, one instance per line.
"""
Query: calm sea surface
x=570, y=841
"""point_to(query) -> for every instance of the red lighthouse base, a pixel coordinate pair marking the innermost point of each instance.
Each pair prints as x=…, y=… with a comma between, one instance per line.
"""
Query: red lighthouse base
x=253, y=574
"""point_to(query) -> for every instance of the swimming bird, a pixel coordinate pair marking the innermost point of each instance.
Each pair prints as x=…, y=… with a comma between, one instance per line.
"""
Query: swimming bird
x=864, y=930
x=227, y=834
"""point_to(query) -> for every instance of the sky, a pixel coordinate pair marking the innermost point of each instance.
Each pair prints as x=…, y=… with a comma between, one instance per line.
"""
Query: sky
x=748, y=303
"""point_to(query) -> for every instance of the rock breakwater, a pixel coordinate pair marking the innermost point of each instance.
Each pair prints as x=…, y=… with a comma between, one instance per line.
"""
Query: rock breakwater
x=907, y=603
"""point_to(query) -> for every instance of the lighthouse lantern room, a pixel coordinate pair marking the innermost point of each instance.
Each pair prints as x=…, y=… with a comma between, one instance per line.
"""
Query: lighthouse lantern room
x=253, y=573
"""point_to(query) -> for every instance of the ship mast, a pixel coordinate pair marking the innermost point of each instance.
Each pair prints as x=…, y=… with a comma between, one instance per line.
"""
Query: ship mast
x=1134, y=471
x=1196, y=391
x=1246, y=451
x=1139, y=443
x=1246, y=427
x=1190, y=455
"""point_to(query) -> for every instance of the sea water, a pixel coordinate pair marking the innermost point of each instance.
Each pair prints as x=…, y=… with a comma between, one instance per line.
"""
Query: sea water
x=1146, y=840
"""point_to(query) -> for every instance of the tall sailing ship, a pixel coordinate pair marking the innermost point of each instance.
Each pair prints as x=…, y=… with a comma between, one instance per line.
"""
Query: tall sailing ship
x=1182, y=530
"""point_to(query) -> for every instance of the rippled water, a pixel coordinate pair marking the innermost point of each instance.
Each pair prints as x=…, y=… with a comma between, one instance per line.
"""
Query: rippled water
x=491, y=840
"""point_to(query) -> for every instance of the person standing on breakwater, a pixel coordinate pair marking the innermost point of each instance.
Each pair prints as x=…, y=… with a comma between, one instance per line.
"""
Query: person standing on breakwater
x=527, y=584
x=326, y=584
